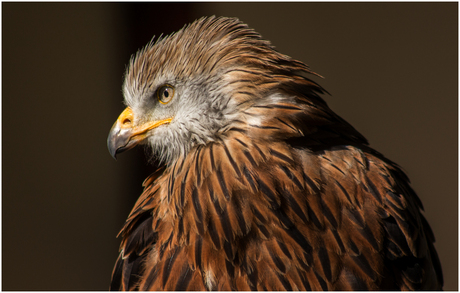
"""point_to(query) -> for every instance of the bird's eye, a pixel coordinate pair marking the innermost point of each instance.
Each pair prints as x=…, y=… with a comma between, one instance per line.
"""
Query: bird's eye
x=165, y=94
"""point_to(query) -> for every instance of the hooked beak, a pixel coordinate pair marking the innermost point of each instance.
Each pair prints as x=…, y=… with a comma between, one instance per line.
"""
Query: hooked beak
x=124, y=135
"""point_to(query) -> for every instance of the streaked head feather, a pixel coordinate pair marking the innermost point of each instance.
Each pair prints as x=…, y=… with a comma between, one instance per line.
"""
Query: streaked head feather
x=219, y=67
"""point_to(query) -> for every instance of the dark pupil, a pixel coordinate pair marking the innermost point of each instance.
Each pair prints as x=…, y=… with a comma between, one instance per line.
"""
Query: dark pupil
x=166, y=93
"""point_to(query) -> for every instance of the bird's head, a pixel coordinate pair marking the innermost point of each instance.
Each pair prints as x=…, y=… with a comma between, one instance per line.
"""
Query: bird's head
x=190, y=87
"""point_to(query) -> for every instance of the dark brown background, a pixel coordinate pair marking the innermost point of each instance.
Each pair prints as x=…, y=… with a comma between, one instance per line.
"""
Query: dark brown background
x=392, y=70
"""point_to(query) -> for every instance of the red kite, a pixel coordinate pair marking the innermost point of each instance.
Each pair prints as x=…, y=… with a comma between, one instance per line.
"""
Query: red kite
x=261, y=186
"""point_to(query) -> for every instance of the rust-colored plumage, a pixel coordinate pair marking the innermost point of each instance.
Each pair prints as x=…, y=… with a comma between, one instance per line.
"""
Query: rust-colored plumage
x=261, y=185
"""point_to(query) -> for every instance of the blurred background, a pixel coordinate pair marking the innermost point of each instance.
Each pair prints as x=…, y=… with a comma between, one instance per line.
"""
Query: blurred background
x=391, y=69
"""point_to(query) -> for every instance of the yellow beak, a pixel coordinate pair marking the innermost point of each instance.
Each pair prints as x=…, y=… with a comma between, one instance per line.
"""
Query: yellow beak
x=124, y=135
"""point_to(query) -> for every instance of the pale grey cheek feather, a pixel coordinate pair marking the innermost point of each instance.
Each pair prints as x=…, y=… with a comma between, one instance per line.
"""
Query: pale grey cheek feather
x=166, y=144
x=170, y=141
x=128, y=96
x=201, y=109
x=196, y=121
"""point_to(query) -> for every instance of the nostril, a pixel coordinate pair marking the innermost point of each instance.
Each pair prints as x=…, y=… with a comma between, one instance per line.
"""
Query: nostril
x=126, y=118
x=126, y=121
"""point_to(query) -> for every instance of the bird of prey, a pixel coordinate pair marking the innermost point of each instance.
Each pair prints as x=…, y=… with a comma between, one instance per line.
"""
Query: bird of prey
x=260, y=185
